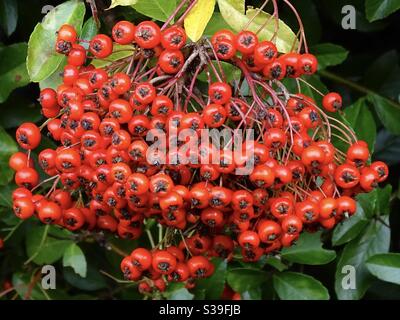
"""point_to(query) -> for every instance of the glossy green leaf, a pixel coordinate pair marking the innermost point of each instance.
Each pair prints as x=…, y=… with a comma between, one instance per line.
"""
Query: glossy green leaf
x=383, y=200
x=75, y=258
x=350, y=228
x=285, y=39
x=329, y=54
x=177, y=291
x=89, y=30
x=44, y=252
x=115, y=3
x=156, y=9
x=385, y=267
x=379, y=9
x=376, y=202
x=92, y=282
x=55, y=79
x=243, y=279
x=387, y=147
x=8, y=16
x=254, y=294
x=239, y=5
x=7, y=147
x=276, y=263
x=298, y=286
x=308, y=250
x=387, y=112
x=362, y=121
x=214, y=285
x=13, y=73
x=216, y=23
x=373, y=240
x=42, y=59
x=382, y=73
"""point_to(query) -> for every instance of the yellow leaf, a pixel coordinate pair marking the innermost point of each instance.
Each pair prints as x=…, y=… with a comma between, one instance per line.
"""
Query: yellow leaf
x=115, y=3
x=197, y=19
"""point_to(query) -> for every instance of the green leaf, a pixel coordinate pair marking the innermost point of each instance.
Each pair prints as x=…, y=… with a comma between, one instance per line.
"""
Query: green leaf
x=46, y=252
x=177, y=291
x=276, y=263
x=387, y=112
x=376, y=202
x=387, y=148
x=298, y=286
x=55, y=79
x=21, y=282
x=7, y=147
x=373, y=240
x=198, y=18
x=13, y=72
x=181, y=294
x=379, y=9
x=329, y=54
x=385, y=267
x=368, y=203
x=119, y=52
x=362, y=121
x=214, y=285
x=92, y=282
x=115, y=3
x=42, y=59
x=382, y=73
x=308, y=250
x=89, y=30
x=238, y=21
x=350, y=228
x=255, y=294
x=156, y=9
x=383, y=200
x=8, y=16
x=243, y=279
x=5, y=195
x=216, y=23
x=75, y=258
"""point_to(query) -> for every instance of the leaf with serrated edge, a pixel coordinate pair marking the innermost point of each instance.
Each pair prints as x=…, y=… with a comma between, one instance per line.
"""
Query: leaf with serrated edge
x=308, y=250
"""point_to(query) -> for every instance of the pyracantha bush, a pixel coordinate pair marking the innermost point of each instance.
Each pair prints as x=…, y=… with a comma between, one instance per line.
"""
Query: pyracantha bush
x=106, y=174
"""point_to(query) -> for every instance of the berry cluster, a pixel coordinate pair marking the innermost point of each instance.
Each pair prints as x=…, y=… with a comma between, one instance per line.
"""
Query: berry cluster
x=105, y=174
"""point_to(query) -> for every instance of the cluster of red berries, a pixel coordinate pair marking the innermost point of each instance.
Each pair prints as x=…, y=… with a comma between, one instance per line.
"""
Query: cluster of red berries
x=262, y=56
x=101, y=116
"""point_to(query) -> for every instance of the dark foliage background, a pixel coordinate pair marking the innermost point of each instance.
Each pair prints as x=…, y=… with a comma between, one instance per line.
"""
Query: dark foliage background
x=361, y=64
